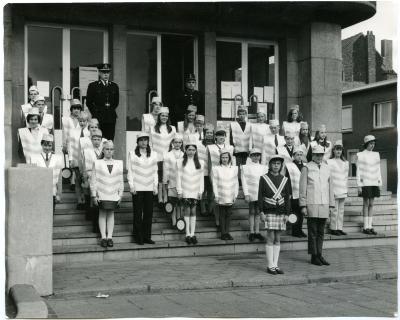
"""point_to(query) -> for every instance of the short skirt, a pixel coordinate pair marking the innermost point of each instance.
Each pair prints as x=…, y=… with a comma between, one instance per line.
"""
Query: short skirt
x=172, y=192
x=189, y=202
x=275, y=221
x=108, y=205
x=370, y=192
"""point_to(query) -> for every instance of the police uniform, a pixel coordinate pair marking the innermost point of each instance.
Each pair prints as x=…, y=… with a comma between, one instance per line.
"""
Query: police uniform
x=102, y=99
x=187, y=98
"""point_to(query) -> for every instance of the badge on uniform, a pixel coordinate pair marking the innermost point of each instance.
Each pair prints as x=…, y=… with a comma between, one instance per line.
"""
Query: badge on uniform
x=292, y=218
x=180, y=224
x=168, y=207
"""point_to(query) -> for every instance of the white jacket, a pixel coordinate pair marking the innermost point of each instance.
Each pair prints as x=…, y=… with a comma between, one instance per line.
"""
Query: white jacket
x=31, y=142
x=294, y=174
x=258, y=132
x=225, y=184
x=190, y=181
x=250, y=175
x=241, y=139
x=148, y=122
x=339, y=175
x=269, y=148
x=160, y=142
x=142, y=172
x=105, y=185
x=369, y=169
x=170, y=168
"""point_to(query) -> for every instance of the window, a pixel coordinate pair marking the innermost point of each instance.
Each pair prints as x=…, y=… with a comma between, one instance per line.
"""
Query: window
x=384, y=114
x=247, y=71
x=352, y=158
x=347, y=118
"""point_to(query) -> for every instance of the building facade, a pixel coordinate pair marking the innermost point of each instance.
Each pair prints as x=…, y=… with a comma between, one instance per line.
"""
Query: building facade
x=372, y=109
x=284, y=53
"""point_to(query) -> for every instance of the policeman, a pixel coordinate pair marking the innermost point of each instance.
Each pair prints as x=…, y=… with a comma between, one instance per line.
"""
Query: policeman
x=102, y=99
x=189, y=96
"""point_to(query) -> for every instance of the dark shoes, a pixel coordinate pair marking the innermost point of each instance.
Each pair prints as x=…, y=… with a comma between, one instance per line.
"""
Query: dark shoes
x=271, y=271
x=370, y=231
x=259, y=236
x=316, y=261
x=323, y=261
x=251, y=237
x=194, y=240
x=279, y=271
x=337, y=232
x=342, y=233
x=226, y=236
x=188, y=240
x=103, y=243
x=110, y=243
x=149, y=241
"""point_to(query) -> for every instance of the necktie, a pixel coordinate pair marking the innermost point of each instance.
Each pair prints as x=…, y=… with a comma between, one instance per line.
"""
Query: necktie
x=82, y=135
x=276, y=140
x=47, y=157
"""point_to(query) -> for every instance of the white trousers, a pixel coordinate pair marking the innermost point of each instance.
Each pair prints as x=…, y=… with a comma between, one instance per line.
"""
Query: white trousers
x=336, y=216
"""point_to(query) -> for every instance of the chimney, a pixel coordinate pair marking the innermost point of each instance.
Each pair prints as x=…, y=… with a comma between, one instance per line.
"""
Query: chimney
x=371, y=54
x=387, y=53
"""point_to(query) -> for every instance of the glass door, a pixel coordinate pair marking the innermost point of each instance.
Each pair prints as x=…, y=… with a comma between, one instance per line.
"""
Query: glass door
x=61, y=61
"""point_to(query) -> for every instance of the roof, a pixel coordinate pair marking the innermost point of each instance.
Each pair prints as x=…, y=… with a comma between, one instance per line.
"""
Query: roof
x=371, y=86
x=348, y=42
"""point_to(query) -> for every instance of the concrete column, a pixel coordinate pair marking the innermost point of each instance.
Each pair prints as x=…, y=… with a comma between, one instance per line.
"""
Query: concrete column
x=29, y=228
x=119, y=76
x=320, y=87
x=210, y=76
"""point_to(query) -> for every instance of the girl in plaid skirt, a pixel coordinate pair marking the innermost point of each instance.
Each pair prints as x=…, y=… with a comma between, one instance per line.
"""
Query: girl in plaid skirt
x=274, y=203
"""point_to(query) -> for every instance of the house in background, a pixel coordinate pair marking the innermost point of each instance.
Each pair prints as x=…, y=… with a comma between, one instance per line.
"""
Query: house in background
x=369, y=102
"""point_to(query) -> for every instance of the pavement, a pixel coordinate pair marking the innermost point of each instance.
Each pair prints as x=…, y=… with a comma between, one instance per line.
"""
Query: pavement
x=226, y=271
x=179, y=286
x=373, y=298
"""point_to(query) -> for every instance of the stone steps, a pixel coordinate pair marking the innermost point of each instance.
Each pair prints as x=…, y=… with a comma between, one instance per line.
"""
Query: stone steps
x=178, y=248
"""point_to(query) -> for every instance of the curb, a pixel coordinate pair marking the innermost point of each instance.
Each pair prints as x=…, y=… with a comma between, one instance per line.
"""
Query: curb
x=264, y=281
x=28, y=302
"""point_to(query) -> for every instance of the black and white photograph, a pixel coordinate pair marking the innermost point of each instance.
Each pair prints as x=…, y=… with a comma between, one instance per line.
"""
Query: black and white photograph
x=209, y=159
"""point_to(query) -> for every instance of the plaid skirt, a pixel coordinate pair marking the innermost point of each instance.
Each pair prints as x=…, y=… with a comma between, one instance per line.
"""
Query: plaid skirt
x=275, y=221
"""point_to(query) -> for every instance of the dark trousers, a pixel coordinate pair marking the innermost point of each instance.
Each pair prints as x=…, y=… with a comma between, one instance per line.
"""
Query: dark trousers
x=316, y=228
x=241, y=158
x=108, y=130
x=142, y=214
x=296, y=227
x=225, y=214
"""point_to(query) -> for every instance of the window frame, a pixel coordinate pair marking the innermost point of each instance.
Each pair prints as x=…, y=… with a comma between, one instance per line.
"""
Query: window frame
x=349, y=106
x=374, y=112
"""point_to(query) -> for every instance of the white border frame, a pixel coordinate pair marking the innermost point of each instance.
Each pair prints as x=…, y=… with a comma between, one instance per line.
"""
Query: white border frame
x=374, y=113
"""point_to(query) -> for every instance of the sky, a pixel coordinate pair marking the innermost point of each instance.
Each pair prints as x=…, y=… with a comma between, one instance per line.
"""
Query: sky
x=384, y=25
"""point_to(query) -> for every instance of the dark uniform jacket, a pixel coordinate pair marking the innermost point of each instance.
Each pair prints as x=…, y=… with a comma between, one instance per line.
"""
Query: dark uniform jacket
x=98, y=95
x=186, y=98
x=265, y=191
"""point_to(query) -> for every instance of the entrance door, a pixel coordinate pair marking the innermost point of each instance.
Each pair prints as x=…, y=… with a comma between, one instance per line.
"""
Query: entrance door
x=156, y=65
x=61, y=61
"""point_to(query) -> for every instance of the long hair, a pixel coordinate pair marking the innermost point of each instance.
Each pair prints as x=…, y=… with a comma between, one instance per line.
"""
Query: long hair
x=148, y=150
x=195, y=158
x=317, y=137
x=230, y=159
x=342, y=157
x=301, y=137
x=171, y=145
x=299, y=116
x=186, y=121
x=206, y=142
x=158, y=125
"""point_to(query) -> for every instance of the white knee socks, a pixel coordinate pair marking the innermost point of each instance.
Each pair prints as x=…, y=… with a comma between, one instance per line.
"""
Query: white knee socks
x=187, y=222
x=192, y=225
x=269, y=250
x=277, y=249
x=368, y=222
x=251, y=223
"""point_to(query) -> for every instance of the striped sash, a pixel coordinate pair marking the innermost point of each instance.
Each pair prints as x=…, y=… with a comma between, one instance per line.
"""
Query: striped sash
x=277, y=198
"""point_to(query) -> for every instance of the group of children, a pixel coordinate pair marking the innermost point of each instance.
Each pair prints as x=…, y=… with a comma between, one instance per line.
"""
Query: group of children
x=198, y=166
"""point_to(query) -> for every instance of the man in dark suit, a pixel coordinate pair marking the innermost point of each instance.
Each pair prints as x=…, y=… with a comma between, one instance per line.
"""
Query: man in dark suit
x=102, y=99
x=190, y=96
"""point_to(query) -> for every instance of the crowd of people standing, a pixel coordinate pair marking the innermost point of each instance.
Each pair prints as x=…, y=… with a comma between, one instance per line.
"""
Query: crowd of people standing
x=194, y=166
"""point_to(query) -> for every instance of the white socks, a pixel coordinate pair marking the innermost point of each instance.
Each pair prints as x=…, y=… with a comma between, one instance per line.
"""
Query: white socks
x=251, y=223
x=187, y=225
x=192, y=225
x=277, y=249
x=269, y=250
x=367, y=222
